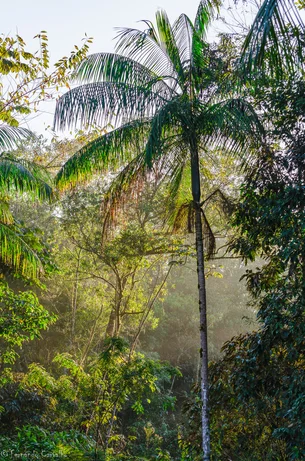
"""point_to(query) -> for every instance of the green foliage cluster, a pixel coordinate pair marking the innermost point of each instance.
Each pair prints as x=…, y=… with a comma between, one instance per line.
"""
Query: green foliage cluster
x=33, y=442
x=90, y=400
x=32, y=76
x=22, y=318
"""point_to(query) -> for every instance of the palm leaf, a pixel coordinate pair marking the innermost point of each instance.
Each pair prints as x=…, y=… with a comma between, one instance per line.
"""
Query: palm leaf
x=113, y=68
x=165, y=129
x=128, y=183
x=106, y=102
x=112, y=150
x=19, y=175
x=177, y=178
x=168, y=44
x=10, y=135
x=6, y=216
x=17, y=254
x=126, y=187
x=231, y=124
x=205, y=13
x=183, y=31
x=145, y=48
x=274, y=41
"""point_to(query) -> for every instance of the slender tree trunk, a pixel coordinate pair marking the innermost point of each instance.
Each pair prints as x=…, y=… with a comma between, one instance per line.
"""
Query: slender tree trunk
x=114, y=323
x=111, y=324
x=203, y=338
x=196, y=192
x=74, y=300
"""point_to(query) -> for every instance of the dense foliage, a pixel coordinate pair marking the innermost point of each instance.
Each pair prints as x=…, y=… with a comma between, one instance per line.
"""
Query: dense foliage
x=99, y=337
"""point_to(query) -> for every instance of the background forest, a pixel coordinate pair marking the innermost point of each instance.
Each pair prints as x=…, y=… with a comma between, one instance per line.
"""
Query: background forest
x=174, y=142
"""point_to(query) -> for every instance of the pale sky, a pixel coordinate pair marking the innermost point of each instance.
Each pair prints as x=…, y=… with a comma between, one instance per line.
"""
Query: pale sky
x=67, y=21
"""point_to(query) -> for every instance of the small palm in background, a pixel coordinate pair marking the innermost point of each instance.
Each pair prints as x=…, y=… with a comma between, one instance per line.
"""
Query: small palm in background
x=21, y=251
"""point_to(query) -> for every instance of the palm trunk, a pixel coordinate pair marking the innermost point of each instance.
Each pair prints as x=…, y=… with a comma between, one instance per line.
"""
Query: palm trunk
x=202, y=301
x=203, y=338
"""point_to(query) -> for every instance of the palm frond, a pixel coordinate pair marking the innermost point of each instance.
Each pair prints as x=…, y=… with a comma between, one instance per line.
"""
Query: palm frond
x=6, y=216
x=104, y=103
x=231, y=124
x=183, y=31
x=208, y=236
x=177, y=176
x=17, y=254
x=10, y=135
x=126, y=187
x=112, y=150
x=100, y=67
x=168, y=44
x=19, y=175
x=205, y=14
x=185, y=223
x=275, y=41
x=164, y=126
x=199, y=54
x=114, y=68
x=145, y=48
x=128, y=183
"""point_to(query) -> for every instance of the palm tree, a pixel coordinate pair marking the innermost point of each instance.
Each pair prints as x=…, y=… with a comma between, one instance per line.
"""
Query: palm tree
x=158, y=93
x=19, y=249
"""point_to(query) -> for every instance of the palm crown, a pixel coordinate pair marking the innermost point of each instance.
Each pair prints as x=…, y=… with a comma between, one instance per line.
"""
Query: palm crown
x=159, y=98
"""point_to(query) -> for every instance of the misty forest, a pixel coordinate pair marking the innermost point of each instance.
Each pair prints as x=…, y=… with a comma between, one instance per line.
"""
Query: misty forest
x=152, y=250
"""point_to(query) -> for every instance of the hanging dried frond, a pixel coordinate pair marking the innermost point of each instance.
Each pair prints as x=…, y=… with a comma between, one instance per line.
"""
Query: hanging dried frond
x=223, y=203
x=126, y=187
x=185, y=223
x=209, y=240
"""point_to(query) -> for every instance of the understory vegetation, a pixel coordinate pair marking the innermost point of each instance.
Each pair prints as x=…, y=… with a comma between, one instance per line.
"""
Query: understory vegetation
x=184, y=182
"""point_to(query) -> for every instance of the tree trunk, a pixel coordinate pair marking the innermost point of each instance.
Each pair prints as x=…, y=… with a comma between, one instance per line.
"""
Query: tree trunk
x=196, y=192
x=74, y=301
x=111, y=324
x=203, y=338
